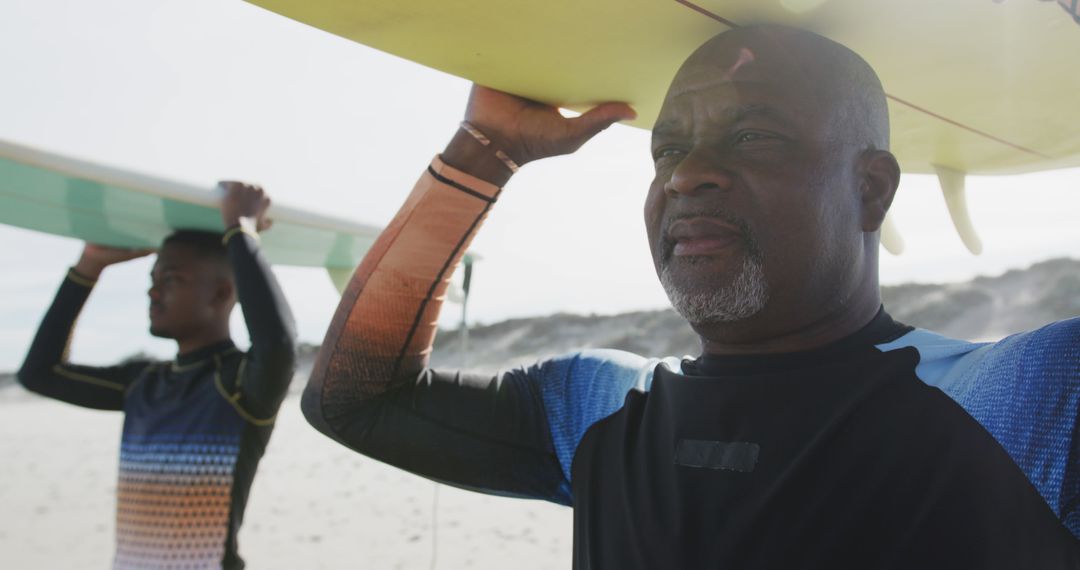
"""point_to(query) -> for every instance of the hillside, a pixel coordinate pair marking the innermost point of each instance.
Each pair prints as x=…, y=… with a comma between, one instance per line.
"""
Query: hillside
x=985, y=308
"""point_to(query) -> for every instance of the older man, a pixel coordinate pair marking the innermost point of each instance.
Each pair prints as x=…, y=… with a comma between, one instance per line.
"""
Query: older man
x=810, y=433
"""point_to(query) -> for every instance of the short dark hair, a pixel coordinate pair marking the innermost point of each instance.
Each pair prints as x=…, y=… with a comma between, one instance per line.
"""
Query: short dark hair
x=205, y=244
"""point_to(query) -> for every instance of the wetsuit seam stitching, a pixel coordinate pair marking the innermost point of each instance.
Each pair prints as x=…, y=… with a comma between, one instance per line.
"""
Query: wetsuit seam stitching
x=238, y=385
x=177, y=367
x=435, y=283
x=101, y=382
x=142, y=374
x=234, y=399
x=584, y=434
x=461, y=187
x=78, y=279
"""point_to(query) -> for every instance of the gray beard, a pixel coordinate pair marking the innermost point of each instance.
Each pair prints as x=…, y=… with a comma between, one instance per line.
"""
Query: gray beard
x=743, y=298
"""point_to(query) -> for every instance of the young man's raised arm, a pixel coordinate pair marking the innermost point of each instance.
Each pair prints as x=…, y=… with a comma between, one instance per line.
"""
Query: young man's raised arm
x=267, y=369
x=46, y=370
x=371, y=389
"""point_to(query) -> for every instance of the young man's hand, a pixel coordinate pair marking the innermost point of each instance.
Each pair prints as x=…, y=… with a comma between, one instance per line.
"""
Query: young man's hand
x=95, y=258
x=244, y=201
x=523, y=129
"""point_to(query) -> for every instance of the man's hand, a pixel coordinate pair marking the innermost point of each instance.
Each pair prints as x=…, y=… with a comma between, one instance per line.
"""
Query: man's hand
x=95, y=258
x=523, y=129
x=244, y=201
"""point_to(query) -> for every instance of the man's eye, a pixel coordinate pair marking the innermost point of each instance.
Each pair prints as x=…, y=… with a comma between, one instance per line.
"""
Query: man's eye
x=750, y=136
x=666, y=153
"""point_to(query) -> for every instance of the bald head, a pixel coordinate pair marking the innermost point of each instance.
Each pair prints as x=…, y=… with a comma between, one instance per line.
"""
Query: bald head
x=773, y=177
x=828, y=77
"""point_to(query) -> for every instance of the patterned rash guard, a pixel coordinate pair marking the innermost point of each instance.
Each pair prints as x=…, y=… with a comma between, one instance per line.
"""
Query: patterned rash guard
x=892, y=448
x=194, y=429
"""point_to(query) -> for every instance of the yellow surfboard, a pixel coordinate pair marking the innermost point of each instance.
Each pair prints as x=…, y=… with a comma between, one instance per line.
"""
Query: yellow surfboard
x=975, y=86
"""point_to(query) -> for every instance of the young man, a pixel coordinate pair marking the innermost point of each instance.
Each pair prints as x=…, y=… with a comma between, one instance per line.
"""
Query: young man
x=810, y=433
x=194, y=428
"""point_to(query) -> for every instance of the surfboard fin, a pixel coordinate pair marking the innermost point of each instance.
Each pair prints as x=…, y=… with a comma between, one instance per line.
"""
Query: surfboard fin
x=952, y=186
x=340, y=276
x=459, y=292
x=891, y=239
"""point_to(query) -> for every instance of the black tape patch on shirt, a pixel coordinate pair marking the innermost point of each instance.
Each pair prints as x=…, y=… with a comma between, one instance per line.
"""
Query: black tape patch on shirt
x=722, y=455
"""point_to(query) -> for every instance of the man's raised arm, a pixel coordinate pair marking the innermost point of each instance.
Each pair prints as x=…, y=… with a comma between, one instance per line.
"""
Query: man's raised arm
x=270, y=362
x=370, y=388
x=46, y=369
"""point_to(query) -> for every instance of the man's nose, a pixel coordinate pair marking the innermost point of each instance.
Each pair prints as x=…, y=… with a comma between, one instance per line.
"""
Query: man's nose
x=701, y=170
x=153, y=293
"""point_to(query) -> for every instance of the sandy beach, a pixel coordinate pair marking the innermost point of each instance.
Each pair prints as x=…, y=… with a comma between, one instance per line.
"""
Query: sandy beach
x=314, y=503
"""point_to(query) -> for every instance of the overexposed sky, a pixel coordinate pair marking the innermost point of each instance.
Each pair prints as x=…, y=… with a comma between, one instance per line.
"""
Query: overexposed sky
x=203, y=90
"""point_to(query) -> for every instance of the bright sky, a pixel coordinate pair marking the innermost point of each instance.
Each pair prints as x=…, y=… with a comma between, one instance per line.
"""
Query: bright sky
x=203, y=90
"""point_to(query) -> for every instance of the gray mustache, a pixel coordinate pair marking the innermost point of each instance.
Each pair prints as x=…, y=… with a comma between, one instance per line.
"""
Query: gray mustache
x=667, y=245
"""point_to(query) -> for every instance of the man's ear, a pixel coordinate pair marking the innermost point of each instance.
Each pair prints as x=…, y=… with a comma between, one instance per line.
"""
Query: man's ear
x=225, y=293
x=880, y=177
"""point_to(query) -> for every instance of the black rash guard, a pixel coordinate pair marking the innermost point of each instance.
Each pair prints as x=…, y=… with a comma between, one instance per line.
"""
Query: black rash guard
x=194, y=429
x=841, y=457
x=892, y=448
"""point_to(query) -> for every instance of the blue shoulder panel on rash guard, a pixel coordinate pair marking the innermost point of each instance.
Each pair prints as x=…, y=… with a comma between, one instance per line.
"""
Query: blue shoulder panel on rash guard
x=1025, y=390
x=582, y=388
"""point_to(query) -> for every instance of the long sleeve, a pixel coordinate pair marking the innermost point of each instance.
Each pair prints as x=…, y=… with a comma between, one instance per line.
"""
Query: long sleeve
x=263, y=378
x=46, y=370
x=370, y=388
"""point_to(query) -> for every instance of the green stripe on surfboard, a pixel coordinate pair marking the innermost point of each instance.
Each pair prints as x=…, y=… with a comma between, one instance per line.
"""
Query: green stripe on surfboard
x=63, y=196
